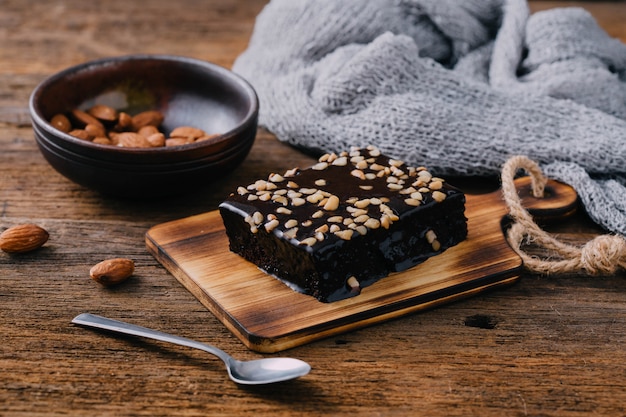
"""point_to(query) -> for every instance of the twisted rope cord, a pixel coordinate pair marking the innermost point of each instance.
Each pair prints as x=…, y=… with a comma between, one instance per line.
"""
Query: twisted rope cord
x=603, y=255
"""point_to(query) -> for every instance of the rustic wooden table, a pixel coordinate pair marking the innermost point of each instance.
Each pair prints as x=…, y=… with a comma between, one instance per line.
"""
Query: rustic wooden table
x=545, y=346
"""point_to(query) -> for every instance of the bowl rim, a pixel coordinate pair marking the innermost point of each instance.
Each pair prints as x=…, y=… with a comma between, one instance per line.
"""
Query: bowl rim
x=43, y=123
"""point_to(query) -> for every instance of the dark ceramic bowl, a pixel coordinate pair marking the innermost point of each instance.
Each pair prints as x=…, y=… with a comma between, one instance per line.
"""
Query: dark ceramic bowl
x=188, y=92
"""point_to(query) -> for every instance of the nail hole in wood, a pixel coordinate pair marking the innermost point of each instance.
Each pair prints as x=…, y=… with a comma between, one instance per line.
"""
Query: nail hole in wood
x=481, y=321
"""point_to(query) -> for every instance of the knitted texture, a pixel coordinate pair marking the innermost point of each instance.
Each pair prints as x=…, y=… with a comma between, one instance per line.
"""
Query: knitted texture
x=457, y=85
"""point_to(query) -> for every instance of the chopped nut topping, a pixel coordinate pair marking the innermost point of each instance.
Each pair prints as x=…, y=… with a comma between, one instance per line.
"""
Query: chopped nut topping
x=417, y=196
x=291, y=233
x=271, y=225
x=276, y=178
x=397, y=172
x=435, y=185
x=315, y=198
x=291, y=223
x=344, y=234
x=430, y=236
x=257, y=217
x=374, y=152
x=361, y=164
x=356, y=212
x=361, y=229
x=362, y=218
x=342, y=161
x=291, y=172
x=412, y=202
x=353, y=283
x=332, y=204
x=438, y=196
x=424, y=176
x=372, y=223
x=358, y=173
x=310, y=241
x=322, y=229
x=320, y=166
x=281, y=200
x=385, y=221
x=259, y=185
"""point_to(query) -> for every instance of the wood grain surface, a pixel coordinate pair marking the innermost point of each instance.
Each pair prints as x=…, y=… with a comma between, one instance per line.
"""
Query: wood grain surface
x=546, y=346
x=267, y=316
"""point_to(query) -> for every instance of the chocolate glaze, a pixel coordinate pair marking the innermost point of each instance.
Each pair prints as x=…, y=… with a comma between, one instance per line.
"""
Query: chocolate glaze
x=324, y=268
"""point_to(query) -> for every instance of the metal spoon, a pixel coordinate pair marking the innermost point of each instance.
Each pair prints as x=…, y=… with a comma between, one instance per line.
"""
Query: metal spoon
x=255, y=372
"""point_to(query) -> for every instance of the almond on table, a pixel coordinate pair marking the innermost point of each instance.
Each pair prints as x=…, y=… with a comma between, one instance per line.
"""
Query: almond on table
x=23, y=238
x=112, y=271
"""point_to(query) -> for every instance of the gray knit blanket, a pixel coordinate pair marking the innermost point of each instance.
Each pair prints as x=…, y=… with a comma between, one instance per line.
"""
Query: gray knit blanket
x=456, y=85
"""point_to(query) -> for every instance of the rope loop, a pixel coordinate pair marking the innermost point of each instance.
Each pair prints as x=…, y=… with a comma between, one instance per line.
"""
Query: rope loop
x=603, y=255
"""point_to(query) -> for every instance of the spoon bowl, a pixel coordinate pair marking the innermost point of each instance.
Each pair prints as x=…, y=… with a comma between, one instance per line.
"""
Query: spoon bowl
x=254, y=372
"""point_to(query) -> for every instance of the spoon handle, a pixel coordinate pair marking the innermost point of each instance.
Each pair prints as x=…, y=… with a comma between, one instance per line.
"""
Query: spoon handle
x=92, y=320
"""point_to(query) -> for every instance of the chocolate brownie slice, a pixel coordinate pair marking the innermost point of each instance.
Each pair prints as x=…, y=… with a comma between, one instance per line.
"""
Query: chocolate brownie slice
x=344, y=223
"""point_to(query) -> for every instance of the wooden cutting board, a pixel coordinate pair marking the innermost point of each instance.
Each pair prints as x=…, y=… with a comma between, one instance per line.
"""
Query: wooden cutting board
x=267, y=316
